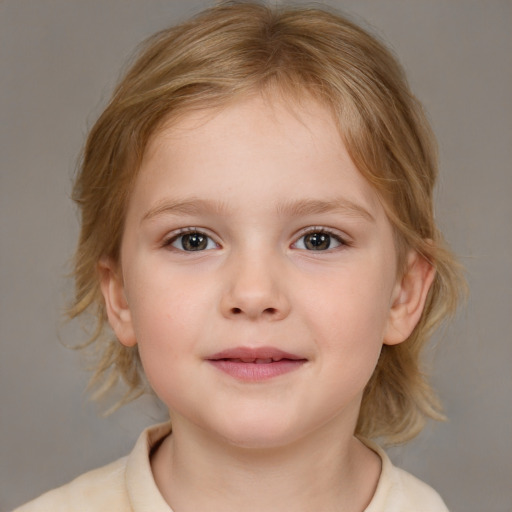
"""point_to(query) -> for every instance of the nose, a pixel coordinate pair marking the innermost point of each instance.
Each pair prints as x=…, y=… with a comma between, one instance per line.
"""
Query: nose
x=254, y=288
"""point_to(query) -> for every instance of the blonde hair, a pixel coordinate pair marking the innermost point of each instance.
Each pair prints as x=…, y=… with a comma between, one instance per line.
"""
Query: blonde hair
x=235, y=49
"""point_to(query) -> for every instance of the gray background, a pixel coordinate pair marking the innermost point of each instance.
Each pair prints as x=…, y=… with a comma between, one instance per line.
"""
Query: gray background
x=58, y=62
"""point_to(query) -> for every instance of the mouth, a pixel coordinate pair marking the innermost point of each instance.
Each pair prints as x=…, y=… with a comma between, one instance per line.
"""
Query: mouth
x=248, y=364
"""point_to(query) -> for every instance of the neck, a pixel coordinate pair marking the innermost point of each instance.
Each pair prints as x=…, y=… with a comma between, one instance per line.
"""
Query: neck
x=195, y=472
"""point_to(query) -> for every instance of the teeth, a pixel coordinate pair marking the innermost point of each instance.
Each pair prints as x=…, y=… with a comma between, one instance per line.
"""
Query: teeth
x=263, y=361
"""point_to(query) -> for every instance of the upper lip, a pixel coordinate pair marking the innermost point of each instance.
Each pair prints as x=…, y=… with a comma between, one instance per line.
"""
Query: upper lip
x=248, y=354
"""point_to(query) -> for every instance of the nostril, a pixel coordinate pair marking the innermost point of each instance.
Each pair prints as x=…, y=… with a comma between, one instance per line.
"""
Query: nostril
x=268, y=311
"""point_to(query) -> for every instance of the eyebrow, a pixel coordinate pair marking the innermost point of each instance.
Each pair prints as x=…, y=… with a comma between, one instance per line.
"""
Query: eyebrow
x=301, y=207
x=342, y=205
x=189, y=206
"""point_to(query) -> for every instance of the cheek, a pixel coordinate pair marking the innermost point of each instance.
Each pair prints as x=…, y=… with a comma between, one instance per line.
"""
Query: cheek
x=174, y=316
x=348, y=307
x=166, y=324
x=347, y=316
x=166, y=341
x=163, y=301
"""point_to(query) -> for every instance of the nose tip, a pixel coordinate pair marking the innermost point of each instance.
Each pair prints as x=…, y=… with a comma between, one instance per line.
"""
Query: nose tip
x=255, y=291
x=253, y=307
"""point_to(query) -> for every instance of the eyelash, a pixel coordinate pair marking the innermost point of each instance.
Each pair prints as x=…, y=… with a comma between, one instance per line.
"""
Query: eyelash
x=341, y=241
x=318, y=230
x=168, y=242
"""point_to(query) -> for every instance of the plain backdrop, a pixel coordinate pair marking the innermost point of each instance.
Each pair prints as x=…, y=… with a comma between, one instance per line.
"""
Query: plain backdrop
x=59, y=60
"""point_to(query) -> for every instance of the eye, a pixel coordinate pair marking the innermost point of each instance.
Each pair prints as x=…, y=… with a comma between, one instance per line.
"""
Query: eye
x=318, y=240
x=192, y=241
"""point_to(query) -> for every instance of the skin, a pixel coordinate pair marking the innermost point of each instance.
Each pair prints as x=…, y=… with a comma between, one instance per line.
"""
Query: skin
x=258, y=179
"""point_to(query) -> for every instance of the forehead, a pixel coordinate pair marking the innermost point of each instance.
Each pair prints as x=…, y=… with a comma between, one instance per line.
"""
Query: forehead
x=250, y=114
x=219, y=151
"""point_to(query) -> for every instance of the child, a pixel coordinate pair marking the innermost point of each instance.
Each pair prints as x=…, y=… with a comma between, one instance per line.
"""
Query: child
x=258, y=230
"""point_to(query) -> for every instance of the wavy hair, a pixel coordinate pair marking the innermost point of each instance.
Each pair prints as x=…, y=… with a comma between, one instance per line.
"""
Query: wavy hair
x=241, y=48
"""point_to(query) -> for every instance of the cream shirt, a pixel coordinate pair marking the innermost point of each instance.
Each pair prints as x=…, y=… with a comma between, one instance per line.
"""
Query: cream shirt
x=127, y=485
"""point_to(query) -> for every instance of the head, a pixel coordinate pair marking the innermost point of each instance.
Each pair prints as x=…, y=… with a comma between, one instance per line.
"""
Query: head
x=237, y=50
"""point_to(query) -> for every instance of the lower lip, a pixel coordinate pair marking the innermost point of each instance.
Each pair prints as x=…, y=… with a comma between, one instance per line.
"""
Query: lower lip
x=253, y=372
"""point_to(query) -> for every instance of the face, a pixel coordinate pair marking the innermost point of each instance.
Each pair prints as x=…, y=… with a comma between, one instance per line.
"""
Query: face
x=258, y=274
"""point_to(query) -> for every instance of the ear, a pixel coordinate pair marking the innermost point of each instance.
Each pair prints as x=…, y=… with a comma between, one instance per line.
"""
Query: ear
x=409, y=298
x=118, y=311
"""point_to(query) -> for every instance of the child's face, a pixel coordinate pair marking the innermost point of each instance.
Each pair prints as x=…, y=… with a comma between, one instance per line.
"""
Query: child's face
x=250, y=234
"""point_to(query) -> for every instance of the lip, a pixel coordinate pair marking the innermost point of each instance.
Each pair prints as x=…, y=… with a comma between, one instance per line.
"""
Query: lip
x=255, y=364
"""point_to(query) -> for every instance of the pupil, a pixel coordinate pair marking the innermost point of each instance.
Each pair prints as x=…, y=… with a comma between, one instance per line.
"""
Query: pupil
x=318, y=241
x=194, y=242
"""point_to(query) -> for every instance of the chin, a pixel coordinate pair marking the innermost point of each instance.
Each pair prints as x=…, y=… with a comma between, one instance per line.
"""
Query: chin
x=260, y=435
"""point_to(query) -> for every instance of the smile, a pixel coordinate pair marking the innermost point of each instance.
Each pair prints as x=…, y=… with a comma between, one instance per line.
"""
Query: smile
x=254, y=365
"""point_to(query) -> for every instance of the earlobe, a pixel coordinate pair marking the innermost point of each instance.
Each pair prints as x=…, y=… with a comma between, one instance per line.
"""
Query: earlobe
x=409, y=299
x=118, y=311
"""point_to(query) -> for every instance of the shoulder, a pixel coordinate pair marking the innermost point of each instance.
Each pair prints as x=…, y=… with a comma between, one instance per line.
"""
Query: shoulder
x=416, y=494
x=126, y=485
x=100, y=490
x=399, y=491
